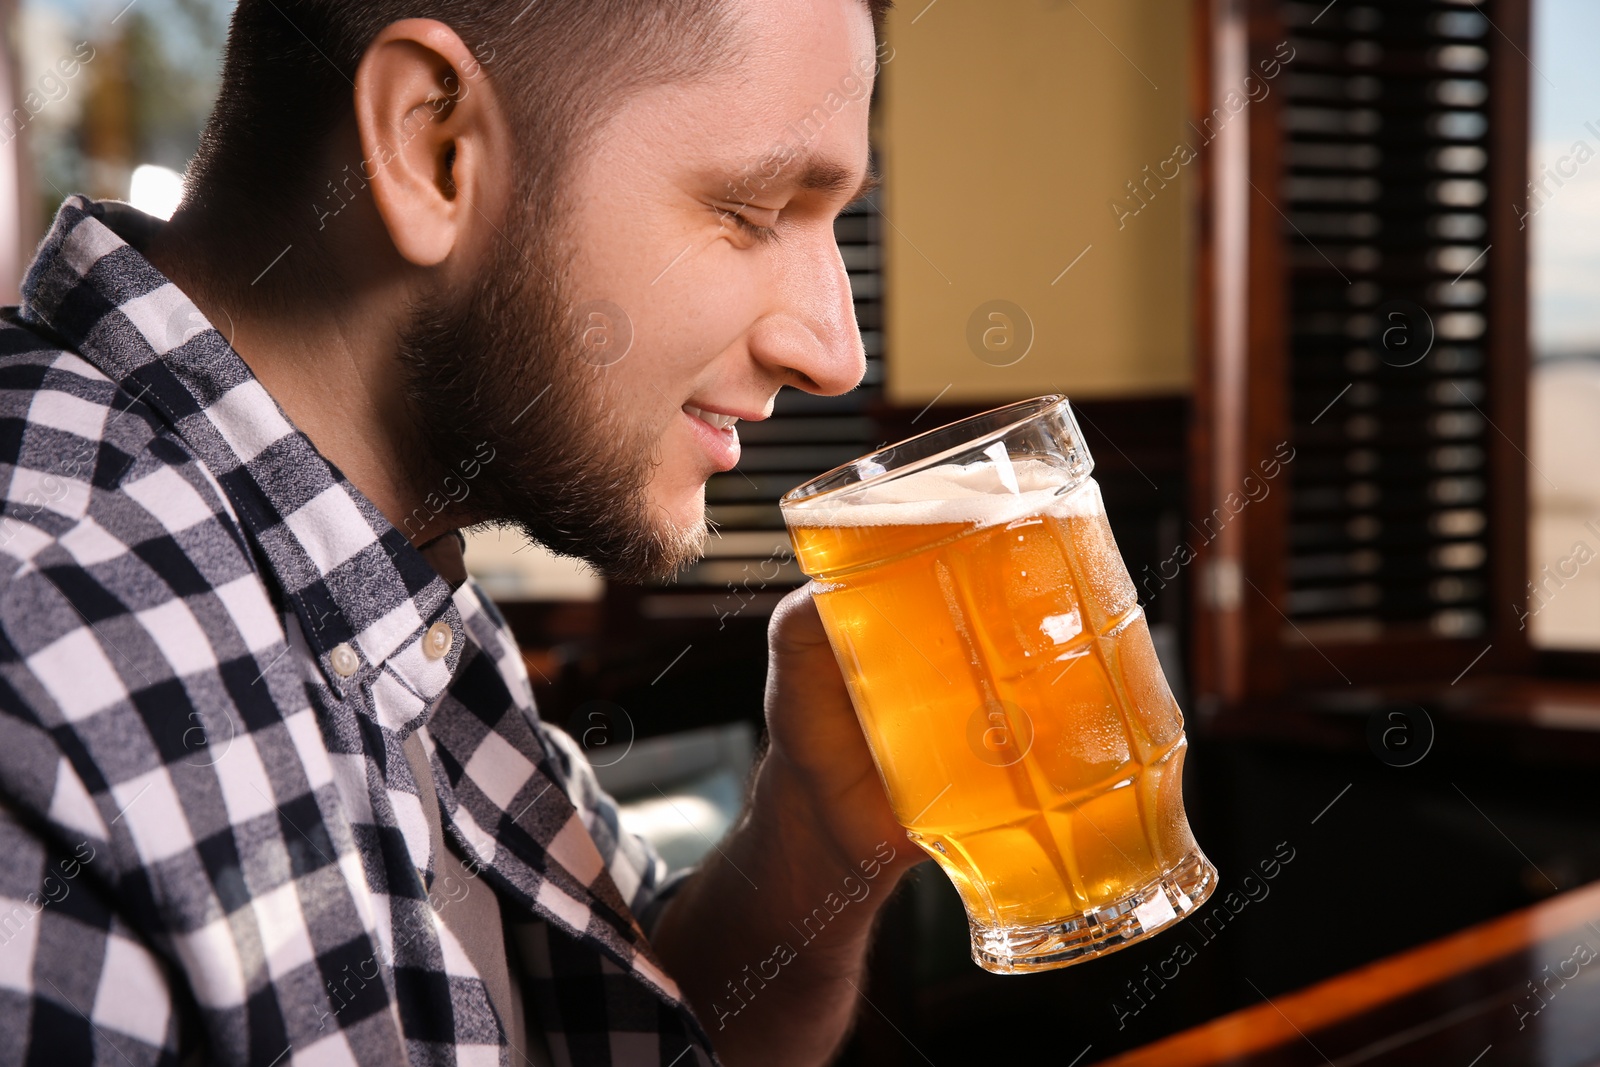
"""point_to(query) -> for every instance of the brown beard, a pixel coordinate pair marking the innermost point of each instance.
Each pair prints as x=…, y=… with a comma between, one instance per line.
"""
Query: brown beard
x=501, y=367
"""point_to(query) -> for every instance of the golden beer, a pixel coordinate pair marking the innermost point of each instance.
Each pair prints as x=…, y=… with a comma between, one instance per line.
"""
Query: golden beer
x=1003, y=672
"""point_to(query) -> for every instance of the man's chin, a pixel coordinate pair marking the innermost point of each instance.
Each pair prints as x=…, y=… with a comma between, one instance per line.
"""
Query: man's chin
x=681, y=530
x=657, y=557
x=682, y=546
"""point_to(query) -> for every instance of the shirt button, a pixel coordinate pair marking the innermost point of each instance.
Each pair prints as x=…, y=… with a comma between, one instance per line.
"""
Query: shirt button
x=436, y=643
x=345, y=660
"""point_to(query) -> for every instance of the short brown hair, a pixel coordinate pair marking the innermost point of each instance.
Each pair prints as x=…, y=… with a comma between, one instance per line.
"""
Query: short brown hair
x=290, y=66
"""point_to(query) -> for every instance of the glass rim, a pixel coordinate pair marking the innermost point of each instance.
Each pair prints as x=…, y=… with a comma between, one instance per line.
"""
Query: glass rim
x=1035, y=407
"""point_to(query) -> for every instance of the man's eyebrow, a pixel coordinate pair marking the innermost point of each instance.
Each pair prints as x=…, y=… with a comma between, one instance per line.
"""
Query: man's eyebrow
x=812, y=174
x=823, y=175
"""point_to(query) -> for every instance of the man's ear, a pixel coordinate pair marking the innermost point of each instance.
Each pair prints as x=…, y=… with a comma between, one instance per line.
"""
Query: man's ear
x=428, y=125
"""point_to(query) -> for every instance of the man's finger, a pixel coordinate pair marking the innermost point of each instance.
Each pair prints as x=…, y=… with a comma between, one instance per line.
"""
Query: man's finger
x=796, y=625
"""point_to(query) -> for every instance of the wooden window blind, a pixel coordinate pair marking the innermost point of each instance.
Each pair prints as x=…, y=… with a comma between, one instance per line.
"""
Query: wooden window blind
x=1379, y=313
x=1385, y=188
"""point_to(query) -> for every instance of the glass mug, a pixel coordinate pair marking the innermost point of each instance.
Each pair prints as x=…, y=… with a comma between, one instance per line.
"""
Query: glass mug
x=1003, y=673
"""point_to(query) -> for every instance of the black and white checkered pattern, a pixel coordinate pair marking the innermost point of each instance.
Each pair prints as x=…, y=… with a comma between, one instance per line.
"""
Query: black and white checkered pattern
x=211, y=844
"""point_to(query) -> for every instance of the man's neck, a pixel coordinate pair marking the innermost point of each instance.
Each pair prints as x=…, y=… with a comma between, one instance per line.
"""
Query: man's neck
x=328, y=360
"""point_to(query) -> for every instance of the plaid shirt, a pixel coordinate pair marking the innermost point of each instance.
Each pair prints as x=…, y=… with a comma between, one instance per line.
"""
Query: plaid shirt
x=212, y=646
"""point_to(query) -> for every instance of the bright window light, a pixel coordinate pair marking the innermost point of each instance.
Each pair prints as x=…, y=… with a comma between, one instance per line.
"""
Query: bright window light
x=155, y=190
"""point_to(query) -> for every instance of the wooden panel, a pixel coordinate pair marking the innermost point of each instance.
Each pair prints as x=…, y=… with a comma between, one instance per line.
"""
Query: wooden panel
x=1508, y=721
x=1509, y=131
x=1239, y=490
x=1478, y=980
x=1015, y=138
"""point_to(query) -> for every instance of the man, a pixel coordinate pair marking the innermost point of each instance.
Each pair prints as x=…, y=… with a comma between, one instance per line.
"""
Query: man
x=271, y=786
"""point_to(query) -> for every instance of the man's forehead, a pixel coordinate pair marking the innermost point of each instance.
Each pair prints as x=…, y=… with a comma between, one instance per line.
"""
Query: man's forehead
x=790, y=109
x=820, y=147
x=803, y=31
x=797, y=62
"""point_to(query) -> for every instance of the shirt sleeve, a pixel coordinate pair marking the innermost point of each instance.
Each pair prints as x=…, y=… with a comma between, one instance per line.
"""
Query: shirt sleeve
x=76, y=983
x=645, y=880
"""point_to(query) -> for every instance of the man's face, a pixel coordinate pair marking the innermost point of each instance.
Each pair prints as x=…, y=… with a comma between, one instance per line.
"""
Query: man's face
x=701, y=276
x=693, y=217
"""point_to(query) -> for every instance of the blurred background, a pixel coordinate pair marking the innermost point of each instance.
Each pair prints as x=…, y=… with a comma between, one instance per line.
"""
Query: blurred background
x=1362, y=235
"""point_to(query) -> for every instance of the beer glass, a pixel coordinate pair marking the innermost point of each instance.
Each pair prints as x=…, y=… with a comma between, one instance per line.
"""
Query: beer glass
x=1003, y=673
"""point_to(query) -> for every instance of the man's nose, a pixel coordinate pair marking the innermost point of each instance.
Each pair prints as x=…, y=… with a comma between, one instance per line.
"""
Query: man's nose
x=811, y=338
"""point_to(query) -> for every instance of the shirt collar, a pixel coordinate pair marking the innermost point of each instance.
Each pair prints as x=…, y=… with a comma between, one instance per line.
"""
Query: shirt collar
x=355, y=582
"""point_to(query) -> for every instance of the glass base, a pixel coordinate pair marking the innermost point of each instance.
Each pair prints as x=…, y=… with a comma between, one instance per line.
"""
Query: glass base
x=1149, y=910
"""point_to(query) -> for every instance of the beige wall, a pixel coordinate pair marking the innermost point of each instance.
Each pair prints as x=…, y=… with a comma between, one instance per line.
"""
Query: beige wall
x=1007, y=128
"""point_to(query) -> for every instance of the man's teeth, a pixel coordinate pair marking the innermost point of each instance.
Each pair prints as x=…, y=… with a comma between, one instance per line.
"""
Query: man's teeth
x=721, y=422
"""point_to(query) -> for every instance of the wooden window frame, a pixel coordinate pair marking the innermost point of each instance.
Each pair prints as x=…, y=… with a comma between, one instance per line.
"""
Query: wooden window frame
x=1242, y=398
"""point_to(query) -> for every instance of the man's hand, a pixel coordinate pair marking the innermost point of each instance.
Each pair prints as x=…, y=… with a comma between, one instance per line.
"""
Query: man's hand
x=769, y=938
x=816, y=743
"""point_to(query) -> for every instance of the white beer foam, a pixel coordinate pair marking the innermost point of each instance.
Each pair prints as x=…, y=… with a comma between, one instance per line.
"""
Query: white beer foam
x=974, y=494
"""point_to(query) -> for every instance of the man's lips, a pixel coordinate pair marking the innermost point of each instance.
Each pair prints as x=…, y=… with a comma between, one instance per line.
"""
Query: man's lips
x=715, y=420
x=716, y=433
